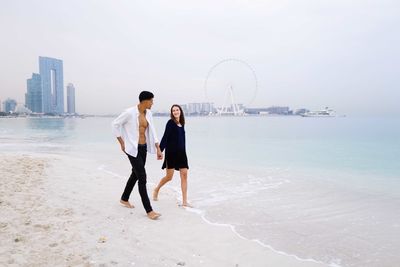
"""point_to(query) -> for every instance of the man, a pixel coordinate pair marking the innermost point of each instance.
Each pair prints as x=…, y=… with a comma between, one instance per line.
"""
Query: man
x=135, y=133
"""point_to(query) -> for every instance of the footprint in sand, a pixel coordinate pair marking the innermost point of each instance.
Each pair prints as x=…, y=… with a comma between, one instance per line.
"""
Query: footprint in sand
x=18, y=239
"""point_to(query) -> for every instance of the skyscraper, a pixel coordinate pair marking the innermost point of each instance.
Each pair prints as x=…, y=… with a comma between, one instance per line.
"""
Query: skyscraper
x=207, y=108
x=194, y=108
x=51, y=73
x=9, y=105
x=70, y=99
x=33, y=96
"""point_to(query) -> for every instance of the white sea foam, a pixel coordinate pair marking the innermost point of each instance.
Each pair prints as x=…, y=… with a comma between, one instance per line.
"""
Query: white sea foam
x=202, y=214
x=104, y=169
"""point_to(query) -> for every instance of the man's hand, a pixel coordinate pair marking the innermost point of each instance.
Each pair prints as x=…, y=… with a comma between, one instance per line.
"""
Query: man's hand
x=122, y=143
x=159, y=154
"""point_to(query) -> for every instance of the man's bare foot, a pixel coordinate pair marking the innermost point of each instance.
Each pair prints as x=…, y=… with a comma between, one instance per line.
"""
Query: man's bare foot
x=153, y=215
x=155, y=195
x=126, y=204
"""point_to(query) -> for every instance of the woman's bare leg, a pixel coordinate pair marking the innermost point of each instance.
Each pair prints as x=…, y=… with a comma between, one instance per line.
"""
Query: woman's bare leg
x=169, y=173
x=184, y=186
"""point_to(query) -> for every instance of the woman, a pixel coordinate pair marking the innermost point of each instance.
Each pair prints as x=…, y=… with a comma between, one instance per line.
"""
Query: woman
x=173, y=141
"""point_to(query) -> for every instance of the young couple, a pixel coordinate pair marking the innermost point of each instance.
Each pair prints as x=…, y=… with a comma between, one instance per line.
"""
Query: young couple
x=135, y=132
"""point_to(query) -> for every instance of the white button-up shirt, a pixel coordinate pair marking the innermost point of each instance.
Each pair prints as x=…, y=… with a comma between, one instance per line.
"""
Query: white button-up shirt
x=126, y=125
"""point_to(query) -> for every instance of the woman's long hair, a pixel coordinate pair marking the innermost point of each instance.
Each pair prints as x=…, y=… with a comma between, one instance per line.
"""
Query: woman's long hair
x=181, y=117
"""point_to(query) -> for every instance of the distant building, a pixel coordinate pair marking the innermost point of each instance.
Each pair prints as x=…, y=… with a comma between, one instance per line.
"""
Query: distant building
x=276, y=110
x=207, y=108
x=9, y=105
x=301, y=111
x=194, y=108
x=33, y=96
x=279, y=110
x=70, y=99
x=240, y=106
x=22, y=109
x=200, y=108
x=52, y=77
x=184, y=108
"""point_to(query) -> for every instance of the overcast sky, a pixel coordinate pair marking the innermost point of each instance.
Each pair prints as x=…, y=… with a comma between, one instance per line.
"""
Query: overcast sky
x=305, y=53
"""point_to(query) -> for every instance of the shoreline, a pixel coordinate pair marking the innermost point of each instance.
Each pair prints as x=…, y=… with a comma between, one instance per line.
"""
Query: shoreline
x=172, y=191
x=104, y=233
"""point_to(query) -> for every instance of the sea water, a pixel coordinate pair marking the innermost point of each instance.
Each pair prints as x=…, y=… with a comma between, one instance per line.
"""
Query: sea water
x=319, y=189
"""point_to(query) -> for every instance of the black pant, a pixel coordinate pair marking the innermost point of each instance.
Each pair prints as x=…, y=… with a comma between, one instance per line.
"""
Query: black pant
x=138, y=173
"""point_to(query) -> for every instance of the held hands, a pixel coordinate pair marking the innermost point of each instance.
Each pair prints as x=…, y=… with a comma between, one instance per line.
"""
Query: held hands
x=159, y=154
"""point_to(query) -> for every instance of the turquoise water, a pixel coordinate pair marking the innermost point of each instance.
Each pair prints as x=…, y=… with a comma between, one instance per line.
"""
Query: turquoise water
x=361, y=145
x=310, y=187
x=365, y=147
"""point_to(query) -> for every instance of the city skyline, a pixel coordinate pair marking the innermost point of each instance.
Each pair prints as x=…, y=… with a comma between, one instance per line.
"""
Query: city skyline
x=306, y=54
x=45, y=91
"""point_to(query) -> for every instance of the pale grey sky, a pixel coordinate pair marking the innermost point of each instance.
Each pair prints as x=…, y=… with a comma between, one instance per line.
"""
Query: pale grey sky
x=315, y=53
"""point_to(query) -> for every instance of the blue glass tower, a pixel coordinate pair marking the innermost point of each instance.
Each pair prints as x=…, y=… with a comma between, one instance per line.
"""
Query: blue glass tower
x=33, y=96
x=51, y=73
x=70, y=99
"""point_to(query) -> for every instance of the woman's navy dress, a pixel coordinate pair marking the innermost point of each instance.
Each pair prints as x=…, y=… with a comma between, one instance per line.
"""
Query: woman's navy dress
x=173, y=141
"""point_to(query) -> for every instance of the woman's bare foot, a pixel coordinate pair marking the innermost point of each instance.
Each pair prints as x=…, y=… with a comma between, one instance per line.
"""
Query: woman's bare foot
x=155, y=195
x=153, y=215
x=126, y=204
x=187, y=205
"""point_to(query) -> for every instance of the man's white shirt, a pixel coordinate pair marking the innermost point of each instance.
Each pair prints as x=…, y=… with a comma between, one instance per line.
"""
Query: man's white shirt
x=126, y=126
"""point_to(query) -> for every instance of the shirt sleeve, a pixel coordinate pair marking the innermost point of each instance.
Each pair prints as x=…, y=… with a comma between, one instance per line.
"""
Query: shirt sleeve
x=153, y=129
x=119, y=122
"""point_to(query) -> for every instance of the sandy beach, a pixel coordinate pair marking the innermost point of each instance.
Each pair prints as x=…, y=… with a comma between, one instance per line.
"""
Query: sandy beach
x=59, y=211
x=35, y=230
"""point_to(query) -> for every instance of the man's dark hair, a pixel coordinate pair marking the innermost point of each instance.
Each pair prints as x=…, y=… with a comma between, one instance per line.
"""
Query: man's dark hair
x=145, y=95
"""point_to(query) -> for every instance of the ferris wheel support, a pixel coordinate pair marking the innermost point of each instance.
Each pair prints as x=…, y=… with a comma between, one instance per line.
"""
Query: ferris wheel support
x=236, y=111
x=229, y=92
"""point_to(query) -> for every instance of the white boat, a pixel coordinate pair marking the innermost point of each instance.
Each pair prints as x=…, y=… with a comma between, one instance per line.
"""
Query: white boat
x=327, y=112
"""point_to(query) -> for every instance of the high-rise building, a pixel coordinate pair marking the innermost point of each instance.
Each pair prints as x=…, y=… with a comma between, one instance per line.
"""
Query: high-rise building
x=301, y=111
x=184, y=108
x=9, y=105
x=70, y=99
x=194, y=108
x=207, y=108
x=51, y=73
x=33, y=96
x=270, y=110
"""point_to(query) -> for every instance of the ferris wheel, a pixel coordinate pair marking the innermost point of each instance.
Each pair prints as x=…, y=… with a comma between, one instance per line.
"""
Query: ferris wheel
x=229, y=104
